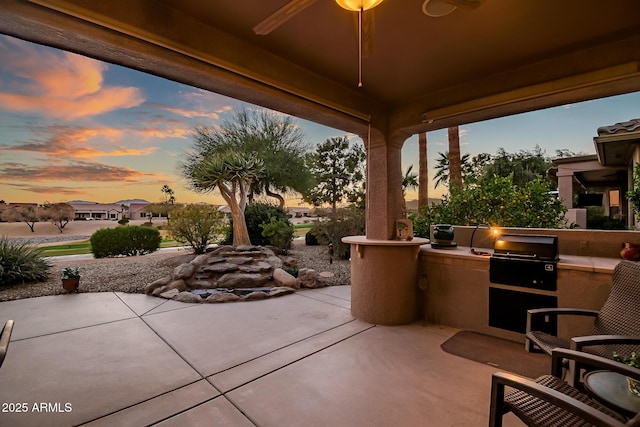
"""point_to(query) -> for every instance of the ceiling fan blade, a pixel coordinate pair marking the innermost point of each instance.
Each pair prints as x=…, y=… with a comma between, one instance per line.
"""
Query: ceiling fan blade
x=465, y=4
x=281, y=15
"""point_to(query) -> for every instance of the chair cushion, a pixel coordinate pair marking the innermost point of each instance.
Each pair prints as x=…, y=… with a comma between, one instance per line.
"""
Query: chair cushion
x=537, y=412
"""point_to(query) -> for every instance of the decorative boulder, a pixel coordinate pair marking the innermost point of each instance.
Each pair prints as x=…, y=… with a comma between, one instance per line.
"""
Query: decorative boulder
x=184, y=271
x=282, y=278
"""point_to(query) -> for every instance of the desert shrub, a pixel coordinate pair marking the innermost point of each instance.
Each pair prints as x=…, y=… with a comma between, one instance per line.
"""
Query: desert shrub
x=292, y=271
x=346, y=222
x=123, y=221
x=255, y=215
x=127, y=241
x=310, y=238
x=198, y=226
x=279, y=232
x=21, y=263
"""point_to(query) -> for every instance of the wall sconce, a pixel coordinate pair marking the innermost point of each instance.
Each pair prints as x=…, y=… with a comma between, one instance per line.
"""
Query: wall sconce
x=493, y=230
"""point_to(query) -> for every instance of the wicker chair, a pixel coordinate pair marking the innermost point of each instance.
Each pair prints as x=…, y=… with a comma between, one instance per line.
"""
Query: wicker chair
x=616, y=327
x=5, y=336
x=548, y=401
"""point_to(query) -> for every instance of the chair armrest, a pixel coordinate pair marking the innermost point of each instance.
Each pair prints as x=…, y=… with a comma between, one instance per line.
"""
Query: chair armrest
x=556, y=398
x=563, y=311
x=5, y=337
x=539, y=312
x=591, y=360
x=577, y=343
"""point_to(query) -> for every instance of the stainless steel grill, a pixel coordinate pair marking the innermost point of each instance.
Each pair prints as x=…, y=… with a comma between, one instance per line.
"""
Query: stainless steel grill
x=528, y=261
x=525, y=262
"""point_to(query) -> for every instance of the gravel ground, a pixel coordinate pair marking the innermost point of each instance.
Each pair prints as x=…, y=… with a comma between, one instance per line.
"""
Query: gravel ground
x=131, y=274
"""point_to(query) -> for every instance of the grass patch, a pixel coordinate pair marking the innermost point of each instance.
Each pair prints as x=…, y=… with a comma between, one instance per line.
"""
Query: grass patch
x=301, y=229
x=84, y=247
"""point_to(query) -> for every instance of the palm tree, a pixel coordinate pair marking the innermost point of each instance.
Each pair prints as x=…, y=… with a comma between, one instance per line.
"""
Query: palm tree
x=423, y=177
x=455, y=164
x=233, y=174
x=168, y=194
x=442, y=168
x=409, y=180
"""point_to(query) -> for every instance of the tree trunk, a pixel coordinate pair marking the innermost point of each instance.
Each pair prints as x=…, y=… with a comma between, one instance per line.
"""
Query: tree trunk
x=276, y=196
x=423, y=172
x=240, y=231
x=455, y=166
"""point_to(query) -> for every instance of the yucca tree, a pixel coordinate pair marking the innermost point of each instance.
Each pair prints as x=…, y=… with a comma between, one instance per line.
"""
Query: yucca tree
x=232, y=173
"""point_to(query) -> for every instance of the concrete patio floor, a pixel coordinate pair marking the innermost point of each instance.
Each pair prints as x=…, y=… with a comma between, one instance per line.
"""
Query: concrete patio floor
x=107, y=359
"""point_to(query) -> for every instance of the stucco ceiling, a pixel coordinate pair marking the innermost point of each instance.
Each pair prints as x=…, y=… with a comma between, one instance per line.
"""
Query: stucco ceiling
x=422, y=73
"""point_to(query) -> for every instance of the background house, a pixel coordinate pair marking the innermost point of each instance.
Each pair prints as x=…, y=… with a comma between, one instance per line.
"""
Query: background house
x=601, y=179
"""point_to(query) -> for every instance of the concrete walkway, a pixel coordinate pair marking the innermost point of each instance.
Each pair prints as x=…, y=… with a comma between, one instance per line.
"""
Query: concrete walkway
x=115, y=359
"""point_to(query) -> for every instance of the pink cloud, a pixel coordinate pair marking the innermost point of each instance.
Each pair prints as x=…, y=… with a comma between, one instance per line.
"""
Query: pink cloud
x=61, y=85
x=76, y=171
x=81, y=142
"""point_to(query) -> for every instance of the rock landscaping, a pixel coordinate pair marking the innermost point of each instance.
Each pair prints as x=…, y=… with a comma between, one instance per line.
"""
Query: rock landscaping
x=243, y=273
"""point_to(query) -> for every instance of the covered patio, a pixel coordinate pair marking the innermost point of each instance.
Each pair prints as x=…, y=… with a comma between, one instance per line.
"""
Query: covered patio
x=145, y=361
x=110, y=359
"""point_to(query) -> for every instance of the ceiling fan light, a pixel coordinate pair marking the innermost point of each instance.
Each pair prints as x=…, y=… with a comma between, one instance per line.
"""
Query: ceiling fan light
x=357, y=5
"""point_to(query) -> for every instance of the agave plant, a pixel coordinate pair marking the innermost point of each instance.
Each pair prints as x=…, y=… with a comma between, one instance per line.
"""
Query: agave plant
x=20, y=263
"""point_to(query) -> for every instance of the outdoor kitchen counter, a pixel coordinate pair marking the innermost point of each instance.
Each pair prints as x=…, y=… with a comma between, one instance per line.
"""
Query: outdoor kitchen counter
x=384, y=274
x=566, y=262
x=455, y=289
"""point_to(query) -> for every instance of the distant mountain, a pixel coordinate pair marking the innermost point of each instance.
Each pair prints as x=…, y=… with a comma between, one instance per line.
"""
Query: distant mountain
x=129, y=202
x=81, y=202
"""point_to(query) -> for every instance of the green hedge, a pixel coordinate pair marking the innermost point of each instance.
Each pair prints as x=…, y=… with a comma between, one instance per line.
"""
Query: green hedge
x=127, y=241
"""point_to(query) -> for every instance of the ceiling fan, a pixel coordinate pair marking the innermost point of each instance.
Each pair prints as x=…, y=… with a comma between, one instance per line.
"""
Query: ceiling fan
x=434, y=8
x=365, y=18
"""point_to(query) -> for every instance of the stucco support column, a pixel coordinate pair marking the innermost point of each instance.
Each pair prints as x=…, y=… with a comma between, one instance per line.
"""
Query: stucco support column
x=565, y=187
x=384, y=184
x=384, y=271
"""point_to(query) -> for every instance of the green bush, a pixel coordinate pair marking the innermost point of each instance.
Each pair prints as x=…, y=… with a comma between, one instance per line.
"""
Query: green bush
x=292, y=271
x=310, y=238
x=127, y=241
x=123, y=221
x=279, y=232
x=20, y=263
x=255, y=215
x=197, y=225
x=346, y=222
x=497, y=202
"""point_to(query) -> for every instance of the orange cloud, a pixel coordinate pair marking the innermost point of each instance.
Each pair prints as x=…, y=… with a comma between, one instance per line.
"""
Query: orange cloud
x=80, y=142
x=62, y=85
x=76, y=171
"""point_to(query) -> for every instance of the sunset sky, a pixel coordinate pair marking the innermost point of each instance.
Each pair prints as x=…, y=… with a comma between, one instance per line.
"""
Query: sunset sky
x=73, y=128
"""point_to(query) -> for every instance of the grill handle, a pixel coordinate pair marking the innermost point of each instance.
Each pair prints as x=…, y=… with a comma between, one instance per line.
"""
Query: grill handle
x=518, y=256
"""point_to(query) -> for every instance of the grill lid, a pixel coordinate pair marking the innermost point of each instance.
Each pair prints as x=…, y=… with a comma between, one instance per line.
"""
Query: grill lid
x=533, y=246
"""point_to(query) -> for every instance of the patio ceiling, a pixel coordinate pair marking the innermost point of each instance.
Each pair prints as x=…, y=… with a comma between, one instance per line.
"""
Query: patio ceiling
x=422, y=73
